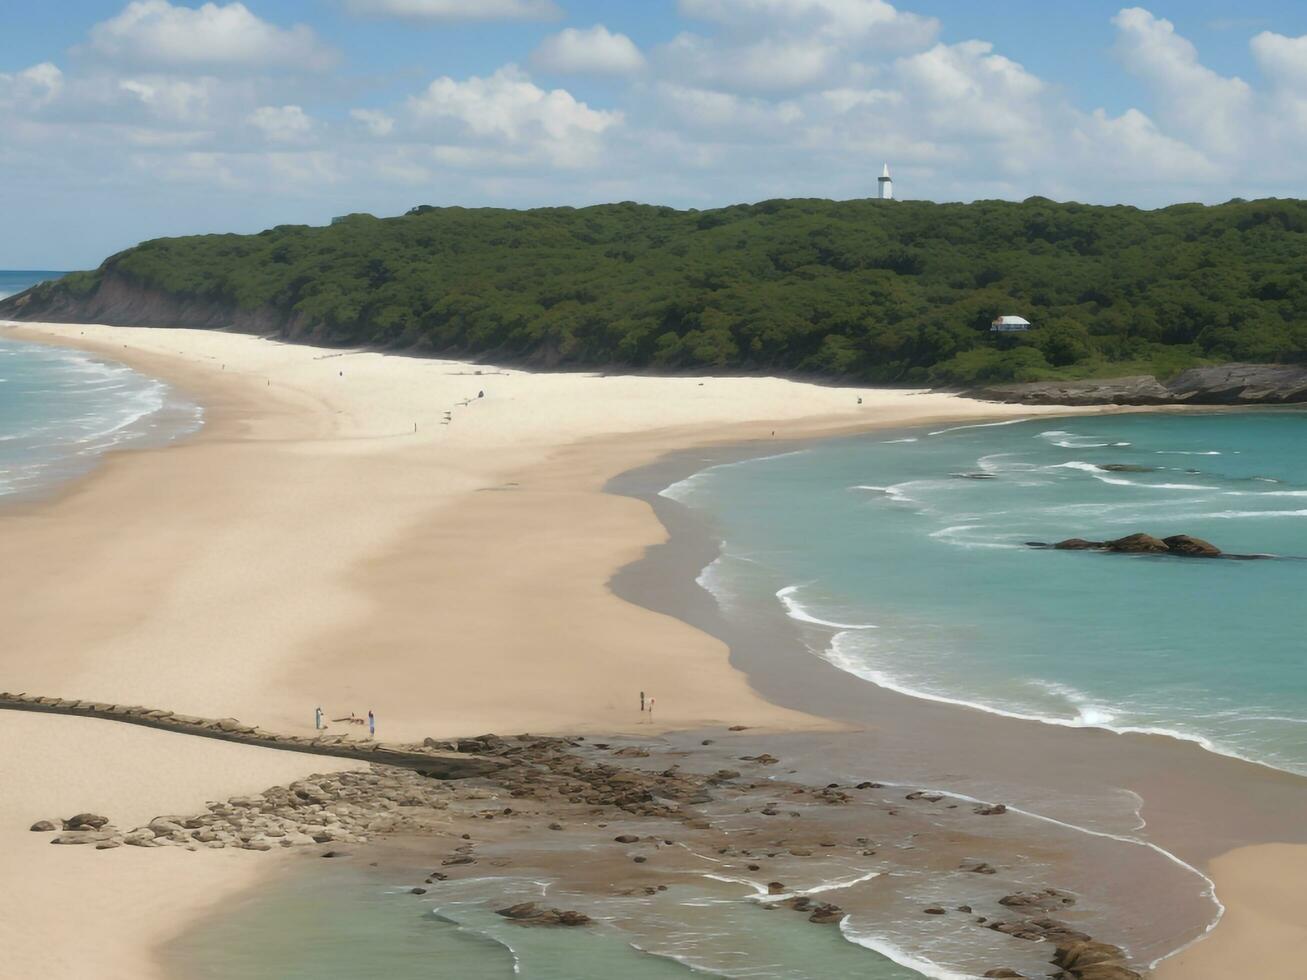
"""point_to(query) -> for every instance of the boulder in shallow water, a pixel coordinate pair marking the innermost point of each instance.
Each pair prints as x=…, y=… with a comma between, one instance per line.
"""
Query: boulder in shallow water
x=1137, y=544
x=1077, y=544
x=1126, y=468
x=1191, y=547
x=529, y=913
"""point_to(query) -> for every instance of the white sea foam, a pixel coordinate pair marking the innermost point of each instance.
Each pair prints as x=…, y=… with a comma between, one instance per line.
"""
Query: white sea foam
x=837, y=655
x=1069, y=440
x=899, y=491
x=959, y=535
x=1098, y=473
x=681, y=490
x=978, y=425
x=795, y=610
x=761, y=892
x=900, y=956
x=1266, y=493
x=891, y=442
x=1187, y=452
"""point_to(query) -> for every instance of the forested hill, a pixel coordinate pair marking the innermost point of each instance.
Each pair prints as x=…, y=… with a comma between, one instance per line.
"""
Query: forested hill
x=886, y=291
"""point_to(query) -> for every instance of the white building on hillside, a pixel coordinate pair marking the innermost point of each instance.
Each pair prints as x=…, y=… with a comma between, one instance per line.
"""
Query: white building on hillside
x=1010, y=324
x=886, y=185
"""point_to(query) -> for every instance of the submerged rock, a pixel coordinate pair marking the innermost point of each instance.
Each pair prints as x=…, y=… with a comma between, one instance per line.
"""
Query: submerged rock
x=528, y=913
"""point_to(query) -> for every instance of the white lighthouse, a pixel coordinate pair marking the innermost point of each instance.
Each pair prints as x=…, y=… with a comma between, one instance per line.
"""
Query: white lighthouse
x=886, y=185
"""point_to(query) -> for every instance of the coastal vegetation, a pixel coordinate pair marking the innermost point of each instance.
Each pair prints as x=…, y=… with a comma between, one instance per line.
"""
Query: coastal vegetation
x=889, y=292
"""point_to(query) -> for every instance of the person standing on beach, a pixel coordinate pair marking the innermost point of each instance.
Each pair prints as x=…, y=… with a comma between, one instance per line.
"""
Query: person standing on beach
x=651, y=704
x=642, y=702
x=372, y=724
x=317, y=718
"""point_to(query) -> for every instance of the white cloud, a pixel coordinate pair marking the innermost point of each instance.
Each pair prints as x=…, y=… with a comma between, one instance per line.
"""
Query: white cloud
x=966, y=90
x=508, y=108
x=179, y=100
x=157, y=33
x=31, y=88
x=1193, y=99
x=763, y=65
x=1284, y=61
x=374, y=120
x=1131, y=146
x=457, y=10
x=595, y=51
x=281, y=124
x=865, y=21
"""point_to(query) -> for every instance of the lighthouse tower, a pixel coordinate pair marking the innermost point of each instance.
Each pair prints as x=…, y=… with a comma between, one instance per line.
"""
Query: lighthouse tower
x=886, y=185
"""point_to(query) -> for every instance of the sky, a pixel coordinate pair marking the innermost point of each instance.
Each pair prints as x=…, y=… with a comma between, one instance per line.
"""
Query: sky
x=123, y=120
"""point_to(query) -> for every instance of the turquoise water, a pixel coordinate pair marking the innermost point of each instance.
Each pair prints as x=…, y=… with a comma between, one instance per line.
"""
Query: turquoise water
x=61, y=409
x=340, y=922
x=903, y=559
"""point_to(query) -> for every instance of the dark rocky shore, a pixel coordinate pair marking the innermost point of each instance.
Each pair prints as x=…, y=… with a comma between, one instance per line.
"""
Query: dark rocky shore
x=643, y=814
x=1225, y=384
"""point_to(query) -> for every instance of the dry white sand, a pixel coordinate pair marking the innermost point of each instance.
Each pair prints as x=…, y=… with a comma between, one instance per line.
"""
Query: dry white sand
x=1264, y=932
x=74, y=912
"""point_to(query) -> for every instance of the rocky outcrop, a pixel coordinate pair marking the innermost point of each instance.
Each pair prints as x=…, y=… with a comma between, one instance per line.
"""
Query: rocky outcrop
x=528, y=913
x=1224, y=384
x=1136, y=544
x=1191, y=547
x=1177, y=545
x=436, y=759
x=1241, y=384
x=1139, y=390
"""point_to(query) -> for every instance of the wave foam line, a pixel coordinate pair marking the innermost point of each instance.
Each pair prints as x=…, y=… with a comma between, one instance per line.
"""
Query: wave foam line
x=900, y=956
x=677, y=491
x=850, y=665
x=979, y=425
x=795, y=610
x=760, y=891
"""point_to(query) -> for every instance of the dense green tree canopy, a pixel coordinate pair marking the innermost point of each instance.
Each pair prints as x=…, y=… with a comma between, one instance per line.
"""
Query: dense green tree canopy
x=900, y=291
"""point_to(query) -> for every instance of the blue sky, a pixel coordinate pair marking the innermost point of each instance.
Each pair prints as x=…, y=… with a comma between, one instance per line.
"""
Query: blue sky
x=130, y=119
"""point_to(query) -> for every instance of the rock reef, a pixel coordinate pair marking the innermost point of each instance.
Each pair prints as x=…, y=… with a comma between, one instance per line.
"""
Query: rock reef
x=1224, y=384
x=1177, y=545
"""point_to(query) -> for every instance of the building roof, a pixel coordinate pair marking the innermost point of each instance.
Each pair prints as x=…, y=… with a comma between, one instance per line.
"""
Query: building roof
x=884, y=174
x=1012, y=320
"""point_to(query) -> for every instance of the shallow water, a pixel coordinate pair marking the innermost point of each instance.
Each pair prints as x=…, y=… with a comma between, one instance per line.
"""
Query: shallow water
x=903, y=560
x=345, y=922
x=61, y=409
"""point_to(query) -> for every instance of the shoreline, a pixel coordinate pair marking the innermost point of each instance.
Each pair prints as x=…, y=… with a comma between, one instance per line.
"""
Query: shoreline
x=784, y=670
x=300, y=432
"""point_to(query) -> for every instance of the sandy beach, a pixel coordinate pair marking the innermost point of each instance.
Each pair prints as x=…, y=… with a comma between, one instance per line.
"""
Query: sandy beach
x=426, y=539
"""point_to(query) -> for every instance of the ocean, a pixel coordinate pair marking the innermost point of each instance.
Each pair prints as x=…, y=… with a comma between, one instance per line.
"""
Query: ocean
x=61, y=409
x=903, y=557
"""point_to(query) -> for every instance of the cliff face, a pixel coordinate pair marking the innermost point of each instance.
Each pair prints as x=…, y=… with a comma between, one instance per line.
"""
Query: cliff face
x=121, y=302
